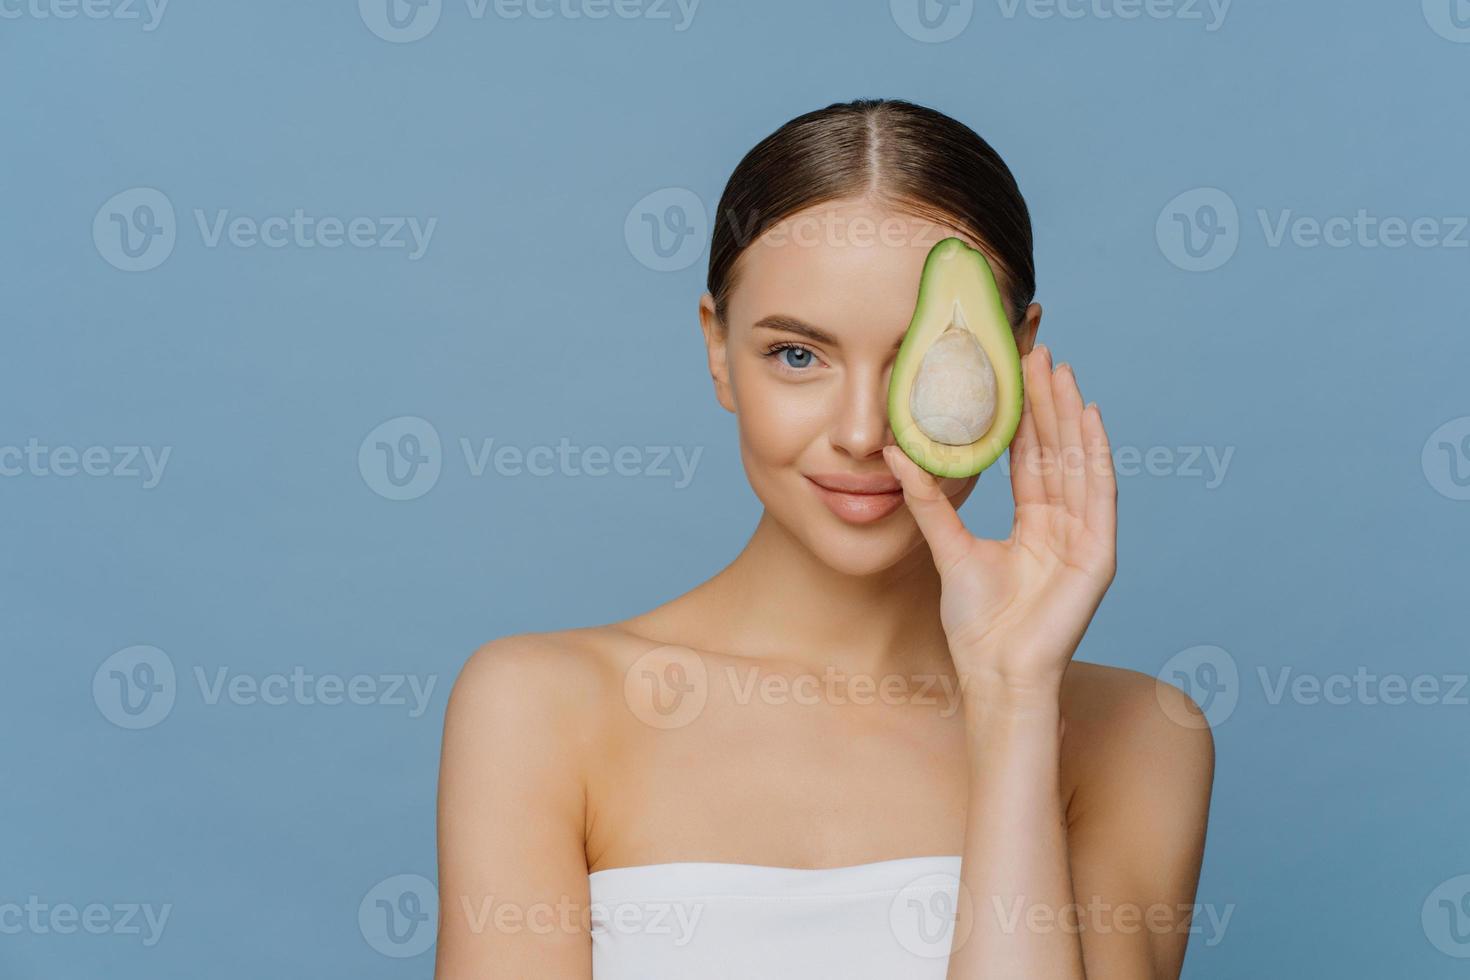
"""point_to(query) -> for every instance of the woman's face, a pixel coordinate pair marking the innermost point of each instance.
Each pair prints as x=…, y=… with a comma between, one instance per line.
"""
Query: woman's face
x=821, y=303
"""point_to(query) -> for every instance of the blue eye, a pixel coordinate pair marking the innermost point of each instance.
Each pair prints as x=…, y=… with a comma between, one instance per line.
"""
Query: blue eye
x=797, y=357
x=792, y=356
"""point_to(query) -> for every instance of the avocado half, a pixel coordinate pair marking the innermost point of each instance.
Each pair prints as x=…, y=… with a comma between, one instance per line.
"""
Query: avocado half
x=954, y=396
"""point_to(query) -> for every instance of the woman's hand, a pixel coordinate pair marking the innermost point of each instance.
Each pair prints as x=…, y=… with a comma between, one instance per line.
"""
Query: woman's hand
x=1014, y=611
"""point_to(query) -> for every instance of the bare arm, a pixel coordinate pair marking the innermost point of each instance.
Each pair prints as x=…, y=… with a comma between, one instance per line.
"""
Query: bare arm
x=512, y=870
x=1016, y=871
x=1014, y=612
x=1102, y=888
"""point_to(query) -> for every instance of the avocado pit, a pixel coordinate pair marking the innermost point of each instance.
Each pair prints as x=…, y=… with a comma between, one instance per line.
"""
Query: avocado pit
x=953, y=398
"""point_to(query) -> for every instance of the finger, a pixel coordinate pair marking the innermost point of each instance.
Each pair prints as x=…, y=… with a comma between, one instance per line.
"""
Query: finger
x=1102, y=482
x=1068, y=401
x=1026, y=485
x=1038, y=392
x=936, y=516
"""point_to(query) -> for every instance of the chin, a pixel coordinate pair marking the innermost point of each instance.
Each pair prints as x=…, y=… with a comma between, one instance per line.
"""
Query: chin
x=859, y=549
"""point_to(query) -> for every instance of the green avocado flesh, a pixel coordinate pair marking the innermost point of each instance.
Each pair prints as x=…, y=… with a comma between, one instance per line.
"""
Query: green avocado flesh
x=954, y=397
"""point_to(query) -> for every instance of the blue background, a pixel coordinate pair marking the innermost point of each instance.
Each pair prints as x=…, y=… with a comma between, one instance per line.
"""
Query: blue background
x=1329, y=546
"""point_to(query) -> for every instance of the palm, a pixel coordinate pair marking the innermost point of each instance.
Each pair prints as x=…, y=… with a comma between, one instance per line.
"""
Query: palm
x=1020, y=606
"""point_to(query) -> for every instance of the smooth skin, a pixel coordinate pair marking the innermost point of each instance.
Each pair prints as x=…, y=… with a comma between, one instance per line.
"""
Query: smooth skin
x=1068, y=787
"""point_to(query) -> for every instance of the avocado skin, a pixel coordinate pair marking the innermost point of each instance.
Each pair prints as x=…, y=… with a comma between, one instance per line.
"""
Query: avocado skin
x=953, y=271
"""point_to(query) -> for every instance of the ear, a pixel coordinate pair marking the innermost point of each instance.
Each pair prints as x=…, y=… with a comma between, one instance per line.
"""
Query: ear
x=715, y=336
x=1026, y=332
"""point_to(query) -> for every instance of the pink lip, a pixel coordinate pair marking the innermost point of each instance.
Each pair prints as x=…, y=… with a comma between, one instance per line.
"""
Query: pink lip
x=859, y=499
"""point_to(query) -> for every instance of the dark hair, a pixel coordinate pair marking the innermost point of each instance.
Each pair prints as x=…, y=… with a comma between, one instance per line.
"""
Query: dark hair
x=913, y=158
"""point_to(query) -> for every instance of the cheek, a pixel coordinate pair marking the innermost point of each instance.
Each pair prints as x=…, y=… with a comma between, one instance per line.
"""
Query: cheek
x=778, y=419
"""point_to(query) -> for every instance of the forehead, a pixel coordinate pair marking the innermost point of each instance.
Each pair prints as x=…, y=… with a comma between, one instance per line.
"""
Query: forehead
x=848, y=266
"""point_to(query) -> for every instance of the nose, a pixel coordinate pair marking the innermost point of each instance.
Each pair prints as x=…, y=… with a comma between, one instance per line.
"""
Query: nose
x=860, y=419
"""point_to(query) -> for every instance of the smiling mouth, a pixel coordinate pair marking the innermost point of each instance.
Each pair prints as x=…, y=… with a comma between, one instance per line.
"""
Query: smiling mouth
x=858, y=500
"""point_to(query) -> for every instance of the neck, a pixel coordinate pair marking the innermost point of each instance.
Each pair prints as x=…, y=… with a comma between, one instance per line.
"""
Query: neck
x=781, y=601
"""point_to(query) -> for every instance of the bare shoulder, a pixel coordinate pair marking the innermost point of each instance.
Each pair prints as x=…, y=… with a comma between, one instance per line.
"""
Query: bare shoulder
x=1124, y=726
x=551, y=677
x=557, y=685
x=559, y=663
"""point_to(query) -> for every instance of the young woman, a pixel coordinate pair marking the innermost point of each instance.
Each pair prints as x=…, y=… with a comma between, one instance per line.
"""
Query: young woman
x=863, y=749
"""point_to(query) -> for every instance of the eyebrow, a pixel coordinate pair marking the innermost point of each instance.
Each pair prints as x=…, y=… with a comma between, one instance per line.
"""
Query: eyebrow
x=790, y=324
